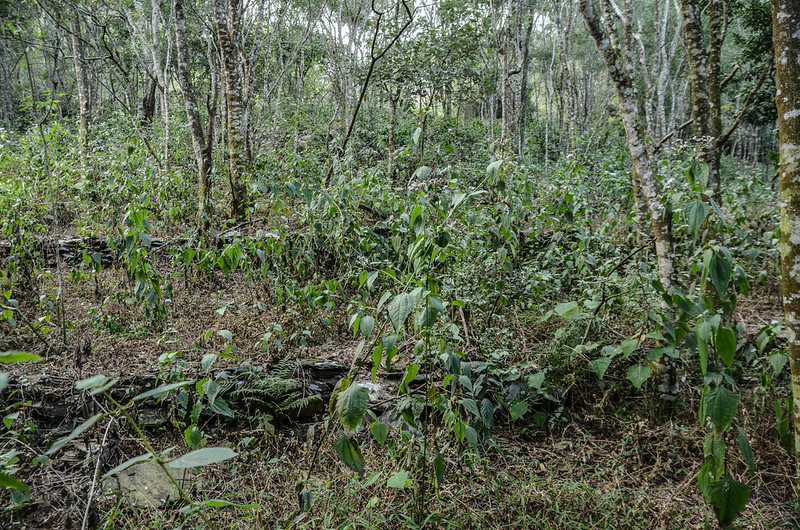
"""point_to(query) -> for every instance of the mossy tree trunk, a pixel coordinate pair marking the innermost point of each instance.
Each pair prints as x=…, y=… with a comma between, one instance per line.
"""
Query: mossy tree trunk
x=202, y=150
x=227, y=14
x=81, y=82
x=786, y=40
x=619, y=64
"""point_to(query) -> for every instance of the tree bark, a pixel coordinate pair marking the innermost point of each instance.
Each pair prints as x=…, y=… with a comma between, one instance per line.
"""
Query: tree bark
x=786, y=41
x=82, y=84
x=619, y=66
x=226, y=17
x=202, y=152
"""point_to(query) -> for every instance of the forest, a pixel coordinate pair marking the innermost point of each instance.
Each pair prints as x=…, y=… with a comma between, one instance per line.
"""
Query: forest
x=400, y=264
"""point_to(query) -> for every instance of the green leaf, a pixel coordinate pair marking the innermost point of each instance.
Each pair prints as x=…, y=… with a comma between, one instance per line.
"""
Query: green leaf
x=422, y=173
x=729, y=498
x=128, y=463
x=379, y=431
x=638, y=374
x=471, y=406
x=777, y=360
x=725, y=345
x=566, y=309
x=493, y=168
x=7, y=481
x=91, y=382
x=487, y=412
x=367, y=326
x=714, y=452
x=4, y=379
x=600, y=365
x=518, y=409
x=220, y=406
x=225, y=334
x=702, y=353
x=350, y=453
x=401, y=306
x=161, y=390
x=18, y=357
x=438, y=469
x=720, y=271
x=721, y=406
x=352, y=405
x=398, y=480
x=208, y=361
x=218, y=503
x=472, y=436
x=80, y=429
x=747, y=450
x=696, y=213
x=203, y=457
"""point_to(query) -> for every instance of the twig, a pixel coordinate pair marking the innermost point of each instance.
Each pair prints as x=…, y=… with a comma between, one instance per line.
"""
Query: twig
x=94, y=479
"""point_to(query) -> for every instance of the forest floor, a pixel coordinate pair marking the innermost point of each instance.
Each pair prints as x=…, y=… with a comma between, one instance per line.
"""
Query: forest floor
x=603, y=461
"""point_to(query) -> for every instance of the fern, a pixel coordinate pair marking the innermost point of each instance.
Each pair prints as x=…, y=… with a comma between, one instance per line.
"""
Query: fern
x=277, y=392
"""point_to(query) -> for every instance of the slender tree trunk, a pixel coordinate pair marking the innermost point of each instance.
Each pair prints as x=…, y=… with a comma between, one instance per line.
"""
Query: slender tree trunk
x=619, y=66
x=786, y=40
x=226, y=17
x=82, y=83
x=201, y=152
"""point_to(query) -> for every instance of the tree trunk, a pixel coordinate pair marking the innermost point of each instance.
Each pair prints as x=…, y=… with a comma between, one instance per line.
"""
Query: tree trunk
x=619, y=67
x=201, y=153
x=82, y=84
x=226, y=17
x=786, y=40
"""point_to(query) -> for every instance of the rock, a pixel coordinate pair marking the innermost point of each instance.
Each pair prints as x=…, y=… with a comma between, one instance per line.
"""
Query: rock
x=146, y=484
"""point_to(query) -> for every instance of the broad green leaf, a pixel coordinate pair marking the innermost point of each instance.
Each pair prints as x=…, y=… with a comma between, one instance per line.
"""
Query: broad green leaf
x=777, y=360
x=747, y=450
x=493, y=168
x=220, y=406
x=729, y=498
x=638, y=374
x=80, y=429
x=18, y=357
x=128, y=463
x=7, y=481
x=398, y=480
x=536, y=380
x=720, y=272
x=350, y=453
x=401, y=306
x=203, y=457
x=416, y=135
x=422, y=173
x=105, y=387
x=225, y=334
x=471, y=406
x=4, y=379
x=352, y=405
x=208, y=361
x=379, y=431
x=518, y=409
x=566, y=309
x=367, y=326
x=600, y=365
x=487, y=412
x=696, y=213
x=721, y=406
x=161, y=390
x=725, y=345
